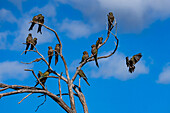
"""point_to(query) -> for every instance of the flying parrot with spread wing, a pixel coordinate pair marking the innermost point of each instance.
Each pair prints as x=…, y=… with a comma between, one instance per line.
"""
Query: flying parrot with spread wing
x=131, y=63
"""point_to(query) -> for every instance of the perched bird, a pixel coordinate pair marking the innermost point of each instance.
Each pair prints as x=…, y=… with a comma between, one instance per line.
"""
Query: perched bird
x=41, y=21
x=42, y=77
x=81, y=74
x=50, y=54
x=110, y=20
x=34, y=20
x=130, y=63
x=34, y=42
x=28, y=41
x=94, y=51
x=99, y=41
x=85, y=56
x=57, y=51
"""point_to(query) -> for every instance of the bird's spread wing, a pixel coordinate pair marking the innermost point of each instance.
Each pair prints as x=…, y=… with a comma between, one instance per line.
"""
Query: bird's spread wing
x=136, y=58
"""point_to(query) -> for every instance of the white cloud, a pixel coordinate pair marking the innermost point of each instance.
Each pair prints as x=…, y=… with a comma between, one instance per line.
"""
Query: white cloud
x=22, y=33
x=74, y=65
x=12, y=70
x=3, y=39
x=115, y=66
x=17, y=3
x=7, y=16
x=164, y=77
x=132, y=16
x=48, y=10
x=75, y=29
x=23, y=26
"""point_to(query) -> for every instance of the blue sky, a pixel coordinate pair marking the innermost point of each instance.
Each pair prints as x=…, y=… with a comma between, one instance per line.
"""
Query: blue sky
x=142, y=27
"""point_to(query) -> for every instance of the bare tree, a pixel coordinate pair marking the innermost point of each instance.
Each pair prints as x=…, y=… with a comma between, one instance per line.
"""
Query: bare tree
x=73, y=89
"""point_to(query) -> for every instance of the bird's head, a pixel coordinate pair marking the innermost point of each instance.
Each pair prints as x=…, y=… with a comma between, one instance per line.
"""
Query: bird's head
x=29, y=34
x=110, y=13
x=57, y=45
x=35, y=38
x=49, y=47
x=85, y=52
x=93, y=46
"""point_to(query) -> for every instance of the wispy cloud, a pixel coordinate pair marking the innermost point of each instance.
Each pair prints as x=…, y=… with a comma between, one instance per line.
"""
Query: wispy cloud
x=164, y=77
x=23, y=25
x=115, y=66
x=12, y=70
x=7, y=16
x=132, y=16
x=17, y=3
x=3, y=39
x=75, y=29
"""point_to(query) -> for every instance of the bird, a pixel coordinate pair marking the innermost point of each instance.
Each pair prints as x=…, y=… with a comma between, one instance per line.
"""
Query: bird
x=99, y=41
x=28, y=41
x=34, y=20
x=34, y=42
x=85, y=56
x=50, y=54
x=94, y=51
x=131, y=63
x=42, y=77
x=57, y=51
x=41, y=21
x=110, y=20
x=81, y=74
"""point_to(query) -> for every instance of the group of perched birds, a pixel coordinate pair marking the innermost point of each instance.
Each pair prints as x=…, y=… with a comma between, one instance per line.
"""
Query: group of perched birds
x=39, y=19
x=94, y=51
x=30, y=41
x=51, y=53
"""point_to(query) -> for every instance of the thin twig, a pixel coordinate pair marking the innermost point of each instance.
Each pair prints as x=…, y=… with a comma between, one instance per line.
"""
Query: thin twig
x=4, y=89
x=24, y=98
x=79, y=82
x=67, y=94
x=60, y=85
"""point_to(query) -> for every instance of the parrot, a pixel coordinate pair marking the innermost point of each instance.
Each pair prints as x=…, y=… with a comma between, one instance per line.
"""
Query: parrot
x=50, y=54
x=28, y=41
x=41, y=21
x=94, y=52
x=130, y=63
x=35, y=20
x=99, y=41
x=85, y=56
x=81, y=74
x=57, y=51
x=34, y=42
x=42, y=77
x=110, y=20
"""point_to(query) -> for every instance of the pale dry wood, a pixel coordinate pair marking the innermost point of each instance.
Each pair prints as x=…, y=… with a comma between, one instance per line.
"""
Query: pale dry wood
x=24, y=98
x=35, y=90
